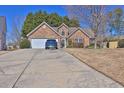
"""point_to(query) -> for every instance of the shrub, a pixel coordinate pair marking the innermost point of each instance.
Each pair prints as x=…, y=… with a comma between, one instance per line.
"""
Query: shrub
x=74, y=45
x=25, y=43
x=92, y=46
x=78, y=45
x=121, y=43
x=70, y=44
x=107, y=45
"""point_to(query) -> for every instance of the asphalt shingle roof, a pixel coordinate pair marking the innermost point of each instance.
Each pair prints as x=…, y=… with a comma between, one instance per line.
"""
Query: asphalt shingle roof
x=73, y=29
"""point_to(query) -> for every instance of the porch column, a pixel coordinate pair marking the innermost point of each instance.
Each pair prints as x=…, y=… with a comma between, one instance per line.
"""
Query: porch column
x=65, y=43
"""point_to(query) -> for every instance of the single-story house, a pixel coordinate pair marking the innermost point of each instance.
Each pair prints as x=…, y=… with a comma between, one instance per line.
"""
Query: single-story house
x=62, y=34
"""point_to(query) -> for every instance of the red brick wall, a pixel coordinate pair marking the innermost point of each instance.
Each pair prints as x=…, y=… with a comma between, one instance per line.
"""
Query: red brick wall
x=82, y=35
x=64, y=29
x=45, y=32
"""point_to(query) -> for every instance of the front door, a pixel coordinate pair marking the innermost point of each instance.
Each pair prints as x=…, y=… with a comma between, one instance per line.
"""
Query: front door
x=63, y=43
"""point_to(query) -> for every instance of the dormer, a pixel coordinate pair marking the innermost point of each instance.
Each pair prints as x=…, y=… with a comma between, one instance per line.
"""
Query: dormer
x=63, y=29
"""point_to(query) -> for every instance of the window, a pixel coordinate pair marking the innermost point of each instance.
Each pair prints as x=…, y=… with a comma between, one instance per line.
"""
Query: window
x=63, y=33
x=78, y=40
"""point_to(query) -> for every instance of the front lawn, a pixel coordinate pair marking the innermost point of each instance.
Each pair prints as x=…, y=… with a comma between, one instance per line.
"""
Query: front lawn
x=108, y=61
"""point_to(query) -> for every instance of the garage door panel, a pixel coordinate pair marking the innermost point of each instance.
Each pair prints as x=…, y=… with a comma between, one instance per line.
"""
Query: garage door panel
x=39, y=43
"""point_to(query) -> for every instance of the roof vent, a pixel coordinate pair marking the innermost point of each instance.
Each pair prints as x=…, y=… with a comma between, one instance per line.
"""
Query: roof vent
x=44, y=26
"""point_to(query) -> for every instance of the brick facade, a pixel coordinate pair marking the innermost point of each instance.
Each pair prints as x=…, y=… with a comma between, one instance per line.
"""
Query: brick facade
x=45, y=32
x=80, y=35
x=63, y=30
x=63, y=33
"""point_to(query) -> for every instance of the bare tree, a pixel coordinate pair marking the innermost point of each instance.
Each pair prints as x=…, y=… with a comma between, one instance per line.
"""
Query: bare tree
x=15, y=36
x=15, y=33
x=102, y=33
x=90, y=16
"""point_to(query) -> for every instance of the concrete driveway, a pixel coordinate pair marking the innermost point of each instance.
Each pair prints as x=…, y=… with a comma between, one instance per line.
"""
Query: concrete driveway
x=3, y=52
x=48, y=68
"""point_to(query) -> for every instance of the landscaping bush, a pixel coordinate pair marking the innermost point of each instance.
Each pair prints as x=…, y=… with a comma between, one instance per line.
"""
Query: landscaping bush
x=107, y=45
x=74, y=45
x=25, y=43
x=92, y=46
x=78, y=45
x=70, y=44
x=121, y=43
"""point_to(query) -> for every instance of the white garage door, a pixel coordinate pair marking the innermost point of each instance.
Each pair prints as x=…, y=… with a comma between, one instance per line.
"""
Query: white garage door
x=39, y=43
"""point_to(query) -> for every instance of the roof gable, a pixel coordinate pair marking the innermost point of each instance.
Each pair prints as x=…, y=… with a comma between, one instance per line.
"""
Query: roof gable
x=63, y=24
x=77, y=30
x=43, y=23
x=72, y=30
x=89, y=32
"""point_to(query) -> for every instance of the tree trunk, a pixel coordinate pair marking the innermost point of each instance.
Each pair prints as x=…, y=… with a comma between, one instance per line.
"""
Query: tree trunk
x=95, y=44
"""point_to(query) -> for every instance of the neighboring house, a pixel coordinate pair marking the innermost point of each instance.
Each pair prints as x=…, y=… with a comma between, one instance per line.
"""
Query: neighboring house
x=2, y=33
x=62, y=34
